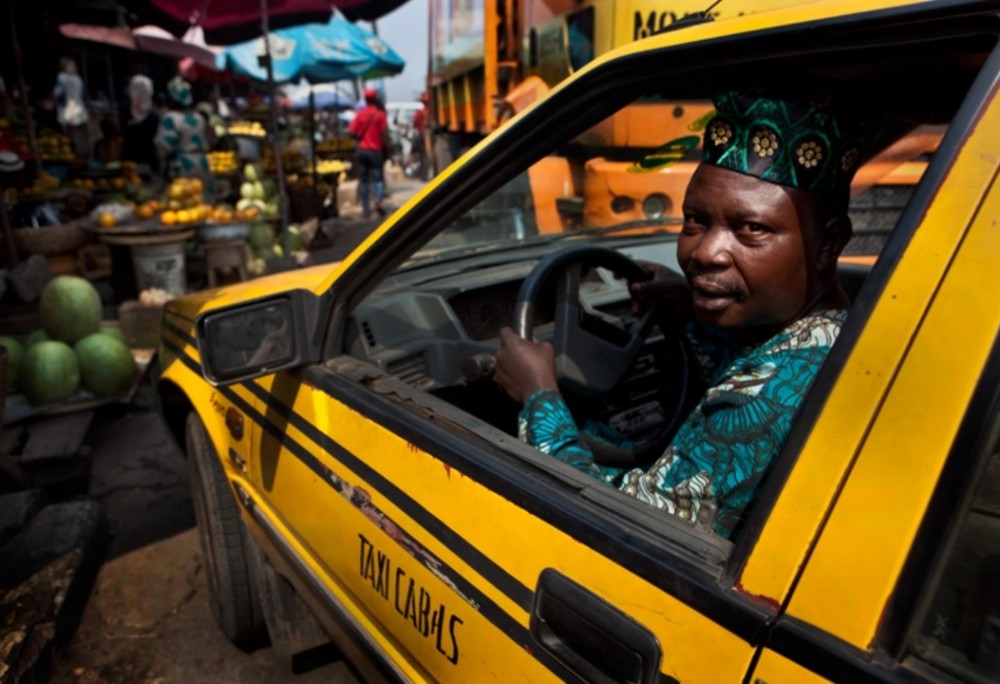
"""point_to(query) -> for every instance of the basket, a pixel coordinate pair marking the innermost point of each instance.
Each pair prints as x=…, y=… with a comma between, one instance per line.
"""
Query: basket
x=46, y=240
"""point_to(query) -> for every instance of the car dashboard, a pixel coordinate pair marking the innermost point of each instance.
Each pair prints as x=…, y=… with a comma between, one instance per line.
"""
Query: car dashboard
x=424, y=328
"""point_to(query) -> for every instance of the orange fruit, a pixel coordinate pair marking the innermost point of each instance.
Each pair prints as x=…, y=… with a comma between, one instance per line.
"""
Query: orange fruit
x=168, y=218
x=195, y=185
x=144, y=211
x=184, y=216
x=106, y=219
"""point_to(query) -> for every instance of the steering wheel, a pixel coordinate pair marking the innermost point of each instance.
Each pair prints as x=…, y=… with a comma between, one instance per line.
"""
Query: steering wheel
x=595, y=351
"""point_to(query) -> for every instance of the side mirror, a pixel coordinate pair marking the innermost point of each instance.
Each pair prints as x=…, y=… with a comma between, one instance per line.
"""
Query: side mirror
x=258, y=338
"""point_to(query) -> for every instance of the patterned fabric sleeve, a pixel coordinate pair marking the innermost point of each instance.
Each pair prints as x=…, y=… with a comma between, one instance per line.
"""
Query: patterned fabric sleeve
x=716, y=461
x=546, y=423
x=713, y=468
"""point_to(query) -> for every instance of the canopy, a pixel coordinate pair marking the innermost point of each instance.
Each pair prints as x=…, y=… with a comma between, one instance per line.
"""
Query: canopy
x=318, y=53
x=191, y=45
x=148, y=39
x=226, y=22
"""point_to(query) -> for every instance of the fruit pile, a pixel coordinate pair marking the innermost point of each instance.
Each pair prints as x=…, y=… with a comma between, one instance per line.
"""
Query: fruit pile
x=326, y=167
x=252, y=129
x=258, y=193
x=264, y=246
x=185, y=203
x=72, y=349
x=222, y=162
x=43, y=183
x=339, y=144
x=55, y=147
x=225, y=213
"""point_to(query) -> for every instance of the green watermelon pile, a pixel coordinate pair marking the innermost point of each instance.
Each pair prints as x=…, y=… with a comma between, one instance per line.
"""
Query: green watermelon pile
x=71, y=349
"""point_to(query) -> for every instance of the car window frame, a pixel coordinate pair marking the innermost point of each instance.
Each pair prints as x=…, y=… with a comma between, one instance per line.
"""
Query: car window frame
x=964, y=468
x=587, y=102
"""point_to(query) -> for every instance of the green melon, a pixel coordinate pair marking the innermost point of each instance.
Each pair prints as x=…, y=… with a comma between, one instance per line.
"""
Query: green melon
x=36, y=337
x=15, y=354
x=106, y=365
x=113, y=331
x=70, y=309
x=261, y=236
x=49, y=372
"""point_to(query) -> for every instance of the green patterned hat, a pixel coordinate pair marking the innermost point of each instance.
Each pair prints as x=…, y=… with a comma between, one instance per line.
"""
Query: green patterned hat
x=180, y=91
x=806, y=142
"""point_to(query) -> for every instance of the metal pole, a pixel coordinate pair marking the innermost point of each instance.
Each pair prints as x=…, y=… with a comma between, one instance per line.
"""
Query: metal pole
x=312, y=131
x=22, y=88
x=286, y=238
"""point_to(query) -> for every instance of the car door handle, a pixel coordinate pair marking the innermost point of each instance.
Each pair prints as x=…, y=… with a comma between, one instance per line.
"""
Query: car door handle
x=595, y=640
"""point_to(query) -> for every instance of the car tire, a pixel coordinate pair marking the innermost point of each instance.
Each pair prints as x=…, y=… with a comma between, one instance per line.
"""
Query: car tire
x=223, y=538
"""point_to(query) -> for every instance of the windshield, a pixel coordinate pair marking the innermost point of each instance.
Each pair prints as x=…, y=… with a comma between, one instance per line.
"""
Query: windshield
x=626, y=175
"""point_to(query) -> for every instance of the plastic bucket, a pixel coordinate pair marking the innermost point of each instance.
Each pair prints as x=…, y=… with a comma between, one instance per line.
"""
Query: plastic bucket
x=160, y=266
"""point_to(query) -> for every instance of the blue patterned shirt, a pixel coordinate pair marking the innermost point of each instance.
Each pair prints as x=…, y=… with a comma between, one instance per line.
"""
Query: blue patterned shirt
x=718, y=457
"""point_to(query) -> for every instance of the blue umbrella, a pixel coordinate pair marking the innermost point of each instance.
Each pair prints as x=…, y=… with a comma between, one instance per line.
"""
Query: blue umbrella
x=318, y=53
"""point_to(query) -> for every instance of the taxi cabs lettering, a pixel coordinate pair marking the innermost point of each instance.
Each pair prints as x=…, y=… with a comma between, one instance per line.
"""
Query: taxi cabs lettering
x=410, y=600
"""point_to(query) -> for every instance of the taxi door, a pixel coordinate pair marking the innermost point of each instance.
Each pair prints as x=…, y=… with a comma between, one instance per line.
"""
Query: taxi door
x=891, y=588
x=453, y=562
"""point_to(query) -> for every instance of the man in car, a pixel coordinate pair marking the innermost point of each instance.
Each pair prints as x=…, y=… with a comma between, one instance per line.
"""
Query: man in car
x=765, y=219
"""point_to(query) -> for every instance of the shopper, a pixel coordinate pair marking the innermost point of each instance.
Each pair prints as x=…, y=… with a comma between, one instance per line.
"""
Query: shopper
x=370, y=128
x=71, y=110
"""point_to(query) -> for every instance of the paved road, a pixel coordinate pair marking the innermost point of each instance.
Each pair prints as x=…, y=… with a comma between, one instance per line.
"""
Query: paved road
x=148, y=620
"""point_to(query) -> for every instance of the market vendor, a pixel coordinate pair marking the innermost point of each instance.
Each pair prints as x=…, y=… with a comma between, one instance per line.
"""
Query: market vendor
x=182, y=138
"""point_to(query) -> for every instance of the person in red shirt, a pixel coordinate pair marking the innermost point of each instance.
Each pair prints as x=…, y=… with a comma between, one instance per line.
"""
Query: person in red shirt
x=370, y=128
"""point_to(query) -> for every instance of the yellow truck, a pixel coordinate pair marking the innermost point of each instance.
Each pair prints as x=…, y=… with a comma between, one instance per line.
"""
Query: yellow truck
x=490, y=61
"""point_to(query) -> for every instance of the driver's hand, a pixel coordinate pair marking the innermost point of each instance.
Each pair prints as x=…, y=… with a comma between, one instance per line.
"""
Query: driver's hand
x=524, y=367
x=665, y=288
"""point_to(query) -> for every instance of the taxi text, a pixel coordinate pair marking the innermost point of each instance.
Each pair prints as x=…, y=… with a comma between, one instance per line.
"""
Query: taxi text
x=410, y=600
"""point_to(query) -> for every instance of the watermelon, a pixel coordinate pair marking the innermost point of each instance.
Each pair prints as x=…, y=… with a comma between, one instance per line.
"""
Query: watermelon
x=15, y=353
x=49, y=372
x=106, y=365
x=36, y=337
x=261, y=236
x=70, y=309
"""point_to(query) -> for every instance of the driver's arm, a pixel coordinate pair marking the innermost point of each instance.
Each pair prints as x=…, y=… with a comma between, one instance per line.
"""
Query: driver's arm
x=526, y=371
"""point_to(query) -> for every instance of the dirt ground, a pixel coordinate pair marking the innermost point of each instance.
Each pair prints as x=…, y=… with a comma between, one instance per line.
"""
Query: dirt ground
x=148, y=620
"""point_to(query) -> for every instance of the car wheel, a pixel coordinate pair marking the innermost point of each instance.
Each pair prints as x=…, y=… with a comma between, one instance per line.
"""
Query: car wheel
x=223, y=539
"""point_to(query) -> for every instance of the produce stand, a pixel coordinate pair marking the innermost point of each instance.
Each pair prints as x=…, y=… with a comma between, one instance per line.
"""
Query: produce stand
x=157, y=251
x=17, y=407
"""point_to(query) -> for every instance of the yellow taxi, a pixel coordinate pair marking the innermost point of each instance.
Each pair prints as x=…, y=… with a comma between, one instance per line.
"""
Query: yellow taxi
x=357, y=472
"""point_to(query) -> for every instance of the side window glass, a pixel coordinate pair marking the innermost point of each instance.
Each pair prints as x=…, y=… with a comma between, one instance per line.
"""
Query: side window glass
x=960, y=633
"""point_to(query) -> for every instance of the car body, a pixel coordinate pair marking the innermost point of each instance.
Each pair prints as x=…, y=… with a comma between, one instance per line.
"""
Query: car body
x=351, y=424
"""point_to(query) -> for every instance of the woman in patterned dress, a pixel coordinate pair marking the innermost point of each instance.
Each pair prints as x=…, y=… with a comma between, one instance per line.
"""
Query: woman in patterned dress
x=182, y=137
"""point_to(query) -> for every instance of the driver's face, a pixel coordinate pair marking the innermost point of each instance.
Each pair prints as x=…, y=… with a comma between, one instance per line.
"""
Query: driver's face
x=748, y=250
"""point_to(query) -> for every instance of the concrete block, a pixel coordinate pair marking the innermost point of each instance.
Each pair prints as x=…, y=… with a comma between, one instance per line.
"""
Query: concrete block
x=17, y=509
x=49, y=570
x=29, y=278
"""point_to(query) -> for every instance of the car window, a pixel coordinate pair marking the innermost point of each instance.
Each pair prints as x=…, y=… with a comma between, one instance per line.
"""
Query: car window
x=617, y=181
x=957, y=630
